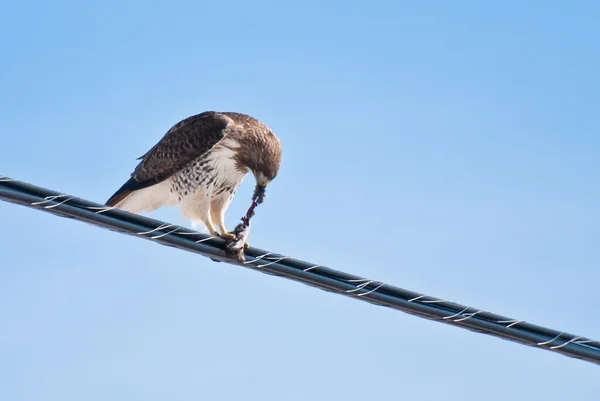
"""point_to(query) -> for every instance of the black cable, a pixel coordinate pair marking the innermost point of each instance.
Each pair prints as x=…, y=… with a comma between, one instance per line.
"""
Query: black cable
x=376, y=292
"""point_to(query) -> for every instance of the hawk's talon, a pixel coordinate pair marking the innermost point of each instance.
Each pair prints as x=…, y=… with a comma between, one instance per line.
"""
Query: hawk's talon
x=246, y=245
x=228, y=236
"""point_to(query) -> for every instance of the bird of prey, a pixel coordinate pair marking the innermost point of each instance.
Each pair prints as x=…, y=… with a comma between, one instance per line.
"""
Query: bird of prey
x=199, y=164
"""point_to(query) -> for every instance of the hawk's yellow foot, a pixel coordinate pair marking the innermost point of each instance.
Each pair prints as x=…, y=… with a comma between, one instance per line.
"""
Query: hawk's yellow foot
x=228, y=236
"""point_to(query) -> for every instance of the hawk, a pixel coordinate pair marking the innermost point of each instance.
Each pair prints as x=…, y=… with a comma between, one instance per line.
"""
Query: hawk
x=199, y=164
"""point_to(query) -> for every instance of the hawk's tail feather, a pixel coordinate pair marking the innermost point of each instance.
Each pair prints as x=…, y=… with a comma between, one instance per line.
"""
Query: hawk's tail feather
x=123, y=192
x=136, y=197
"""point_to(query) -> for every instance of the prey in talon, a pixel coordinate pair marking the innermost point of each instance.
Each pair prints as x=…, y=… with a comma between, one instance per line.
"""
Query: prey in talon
x=235, y=248
x=198, y=165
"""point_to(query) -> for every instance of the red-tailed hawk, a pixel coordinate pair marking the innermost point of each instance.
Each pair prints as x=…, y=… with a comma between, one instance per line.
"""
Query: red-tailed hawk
x=199, y=164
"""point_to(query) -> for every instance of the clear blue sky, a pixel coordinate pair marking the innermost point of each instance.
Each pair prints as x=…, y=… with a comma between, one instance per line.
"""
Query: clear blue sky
x=451, y=149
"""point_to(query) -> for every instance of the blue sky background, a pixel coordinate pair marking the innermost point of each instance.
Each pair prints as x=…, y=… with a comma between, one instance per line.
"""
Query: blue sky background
x=450, y=149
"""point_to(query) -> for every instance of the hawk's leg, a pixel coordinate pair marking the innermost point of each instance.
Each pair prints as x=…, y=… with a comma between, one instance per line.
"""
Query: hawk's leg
x=218, y=217
x=198, y=209
x=211, y=228
x=217, y=212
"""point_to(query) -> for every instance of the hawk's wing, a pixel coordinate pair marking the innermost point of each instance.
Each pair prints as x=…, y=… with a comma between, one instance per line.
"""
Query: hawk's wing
x=183, y=143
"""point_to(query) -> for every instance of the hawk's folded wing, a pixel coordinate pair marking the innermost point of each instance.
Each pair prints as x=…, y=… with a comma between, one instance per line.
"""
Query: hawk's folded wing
x=182, y=144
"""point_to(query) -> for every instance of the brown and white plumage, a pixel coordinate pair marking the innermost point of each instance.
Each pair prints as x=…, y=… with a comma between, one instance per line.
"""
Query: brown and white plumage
x=199, y=164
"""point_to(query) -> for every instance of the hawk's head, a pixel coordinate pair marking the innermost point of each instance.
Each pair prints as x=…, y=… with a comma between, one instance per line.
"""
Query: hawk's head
x=262, y=158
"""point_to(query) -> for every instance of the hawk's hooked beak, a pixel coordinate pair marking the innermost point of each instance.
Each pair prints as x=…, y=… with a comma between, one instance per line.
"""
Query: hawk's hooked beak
x=261, y=180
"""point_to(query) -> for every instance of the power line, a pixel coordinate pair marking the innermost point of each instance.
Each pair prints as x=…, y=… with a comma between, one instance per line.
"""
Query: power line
x=327, y=279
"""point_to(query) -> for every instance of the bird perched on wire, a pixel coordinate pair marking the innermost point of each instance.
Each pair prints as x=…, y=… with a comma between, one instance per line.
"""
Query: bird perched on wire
x=199, y=164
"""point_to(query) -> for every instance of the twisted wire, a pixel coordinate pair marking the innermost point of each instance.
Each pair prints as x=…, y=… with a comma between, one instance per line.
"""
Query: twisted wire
x=315, y=275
